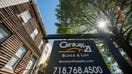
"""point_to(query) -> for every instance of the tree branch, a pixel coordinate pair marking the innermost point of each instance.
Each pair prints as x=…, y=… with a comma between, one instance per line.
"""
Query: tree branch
x=128, y=35
x=98, y=7
x=127, y=14
x=121, y=28
x=90, y=22
x=127, y=30
x=123, y=3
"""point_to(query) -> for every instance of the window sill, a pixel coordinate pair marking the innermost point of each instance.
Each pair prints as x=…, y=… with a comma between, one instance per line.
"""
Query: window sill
x=8, y=70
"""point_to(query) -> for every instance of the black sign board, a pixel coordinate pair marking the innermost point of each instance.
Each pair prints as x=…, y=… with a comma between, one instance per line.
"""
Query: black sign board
x=76, y=57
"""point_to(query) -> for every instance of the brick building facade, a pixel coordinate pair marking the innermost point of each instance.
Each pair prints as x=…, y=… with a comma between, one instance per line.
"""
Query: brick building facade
x=21, y=36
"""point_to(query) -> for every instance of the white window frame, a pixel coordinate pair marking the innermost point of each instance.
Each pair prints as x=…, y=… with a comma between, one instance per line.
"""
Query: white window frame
x=4, y=32
x=18, y=56
x=35, y=33
x=25, y=16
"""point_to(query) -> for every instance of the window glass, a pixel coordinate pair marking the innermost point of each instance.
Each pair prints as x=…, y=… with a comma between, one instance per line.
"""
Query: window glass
x=16, y=58
x=20, y=52
x=12, y=61
x=34, y=34
x=41, y=44
x=26, y=16
x=4, y=33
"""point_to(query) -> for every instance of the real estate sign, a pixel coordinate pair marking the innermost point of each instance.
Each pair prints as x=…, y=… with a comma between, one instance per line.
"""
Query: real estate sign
x=76, y=57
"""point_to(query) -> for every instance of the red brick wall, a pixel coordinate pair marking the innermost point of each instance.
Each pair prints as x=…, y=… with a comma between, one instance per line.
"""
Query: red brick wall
x=20, y=35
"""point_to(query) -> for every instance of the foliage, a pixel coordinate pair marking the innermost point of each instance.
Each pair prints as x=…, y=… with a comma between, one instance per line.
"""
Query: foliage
x=82, y=17
x=42, y=68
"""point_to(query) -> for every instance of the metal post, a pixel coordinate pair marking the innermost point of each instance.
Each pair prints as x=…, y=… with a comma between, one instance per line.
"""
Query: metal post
x=126, y=68
x=73, y=36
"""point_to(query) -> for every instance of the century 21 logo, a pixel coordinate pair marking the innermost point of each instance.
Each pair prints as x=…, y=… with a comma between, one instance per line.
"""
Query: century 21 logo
x=75, y=47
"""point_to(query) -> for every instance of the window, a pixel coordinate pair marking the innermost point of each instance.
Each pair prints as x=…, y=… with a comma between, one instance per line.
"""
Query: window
x=26, y=16
x=4, y=33
x=30, y=65
x=41, y=44
x=16, y=58
x=34, y=34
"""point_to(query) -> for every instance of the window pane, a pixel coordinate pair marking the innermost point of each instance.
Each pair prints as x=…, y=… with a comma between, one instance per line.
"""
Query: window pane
x=20, y=52
x=2, y=33
x=24, y=19
x=12, y=61
x=41, y=43
x=16, y=58
x=35, y=32
x=26, y=16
